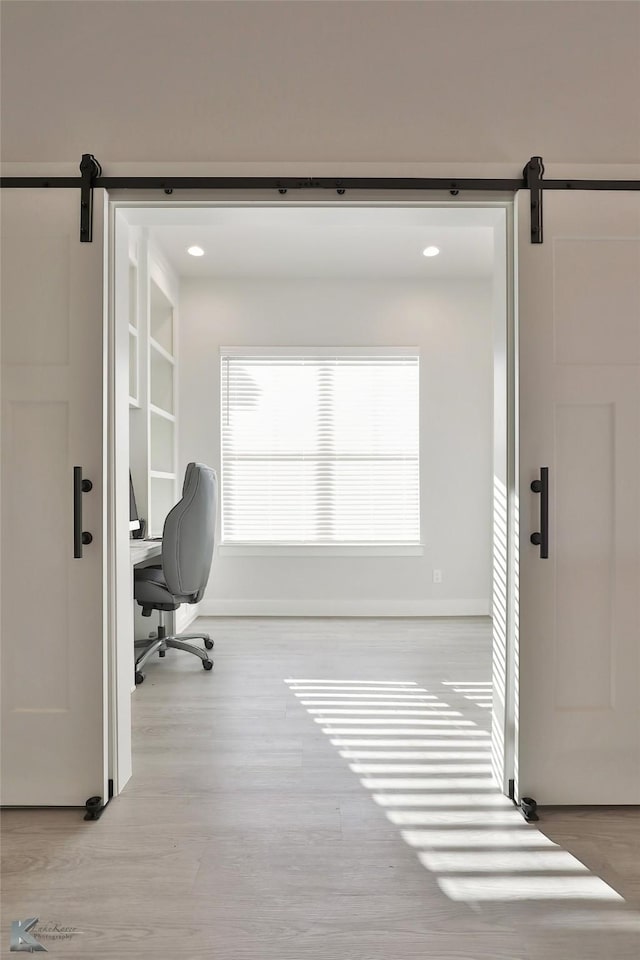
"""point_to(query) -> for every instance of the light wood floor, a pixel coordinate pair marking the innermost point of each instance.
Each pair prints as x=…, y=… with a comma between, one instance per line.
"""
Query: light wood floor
x=246, y=835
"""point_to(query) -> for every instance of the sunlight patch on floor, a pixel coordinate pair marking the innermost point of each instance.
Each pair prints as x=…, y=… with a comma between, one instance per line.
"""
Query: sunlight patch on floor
x=449, y=810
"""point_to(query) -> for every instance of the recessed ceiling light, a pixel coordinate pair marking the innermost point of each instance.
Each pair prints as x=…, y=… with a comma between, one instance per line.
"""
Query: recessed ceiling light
x=431, y=251
x=195, y=251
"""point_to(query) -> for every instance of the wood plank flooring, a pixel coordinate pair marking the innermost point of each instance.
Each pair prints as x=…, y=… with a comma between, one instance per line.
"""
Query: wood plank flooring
x=275, y=819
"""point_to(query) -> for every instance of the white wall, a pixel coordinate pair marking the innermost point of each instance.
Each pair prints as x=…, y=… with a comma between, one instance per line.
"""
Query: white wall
x=451, y=322
x=388, y=82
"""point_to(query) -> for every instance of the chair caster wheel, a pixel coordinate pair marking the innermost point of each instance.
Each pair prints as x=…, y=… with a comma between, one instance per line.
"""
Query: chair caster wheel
x=207, y=664
x=139, y=678
x=162, y=653
x=208, y=643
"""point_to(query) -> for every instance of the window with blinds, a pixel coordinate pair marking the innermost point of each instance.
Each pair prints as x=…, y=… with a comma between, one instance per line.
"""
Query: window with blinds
x=320, y=449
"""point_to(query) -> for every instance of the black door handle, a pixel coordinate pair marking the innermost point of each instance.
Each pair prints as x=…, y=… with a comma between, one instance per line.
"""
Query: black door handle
x=80, y=537
x=541, y=539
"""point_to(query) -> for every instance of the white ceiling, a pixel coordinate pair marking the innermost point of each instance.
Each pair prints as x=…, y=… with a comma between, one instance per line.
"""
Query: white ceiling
x=347, y=242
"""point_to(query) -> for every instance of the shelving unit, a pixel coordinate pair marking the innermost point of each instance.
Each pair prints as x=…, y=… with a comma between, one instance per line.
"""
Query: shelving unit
x=153, y=294
x=162, y=409
x=134, y=366
x=147, y=328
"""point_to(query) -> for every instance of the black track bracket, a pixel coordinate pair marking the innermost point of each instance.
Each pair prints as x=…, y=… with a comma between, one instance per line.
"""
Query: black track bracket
x=533, y=174
x=90, y=170
x=527, y=806
x=529, y=809
x=95, y=807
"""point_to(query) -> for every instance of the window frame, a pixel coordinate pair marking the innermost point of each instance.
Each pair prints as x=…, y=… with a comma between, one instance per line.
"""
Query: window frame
x=294, y=549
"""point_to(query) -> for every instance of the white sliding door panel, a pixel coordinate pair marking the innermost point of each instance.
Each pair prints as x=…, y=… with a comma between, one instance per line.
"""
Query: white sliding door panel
x=579, y=667
x=53, y=731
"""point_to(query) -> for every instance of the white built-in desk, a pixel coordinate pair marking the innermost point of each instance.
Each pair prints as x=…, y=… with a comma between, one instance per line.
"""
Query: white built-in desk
x=143, y=550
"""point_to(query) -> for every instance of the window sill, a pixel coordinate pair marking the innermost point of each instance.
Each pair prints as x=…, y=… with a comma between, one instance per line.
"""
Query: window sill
x=315, y=550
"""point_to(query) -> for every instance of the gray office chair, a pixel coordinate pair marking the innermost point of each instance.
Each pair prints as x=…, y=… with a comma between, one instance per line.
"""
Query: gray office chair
x=187, y=551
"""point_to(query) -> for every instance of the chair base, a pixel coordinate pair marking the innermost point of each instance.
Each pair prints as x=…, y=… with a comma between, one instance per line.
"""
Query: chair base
x=178, y=641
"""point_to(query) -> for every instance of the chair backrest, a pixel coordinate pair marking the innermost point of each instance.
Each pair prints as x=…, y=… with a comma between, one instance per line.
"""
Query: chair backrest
x=188, y=534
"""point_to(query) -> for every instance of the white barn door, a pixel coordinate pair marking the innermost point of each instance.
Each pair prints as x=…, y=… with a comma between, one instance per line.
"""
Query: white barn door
x=579, y=635
x=53, y=661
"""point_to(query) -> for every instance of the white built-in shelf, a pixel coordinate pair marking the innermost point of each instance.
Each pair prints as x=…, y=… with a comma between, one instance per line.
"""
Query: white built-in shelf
x=161, y=350
x=133, y=295
x=134, y=344
x=159, y=412
x=161, y=383
x=134, y=379
x=153, y=381
x=162, y=445
x=160, y=317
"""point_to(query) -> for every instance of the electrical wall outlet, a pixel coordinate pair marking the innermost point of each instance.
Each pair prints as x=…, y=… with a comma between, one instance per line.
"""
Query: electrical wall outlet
x=437, y=576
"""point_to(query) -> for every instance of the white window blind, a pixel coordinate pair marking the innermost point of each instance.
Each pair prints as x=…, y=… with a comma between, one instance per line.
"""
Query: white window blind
x=320, y=449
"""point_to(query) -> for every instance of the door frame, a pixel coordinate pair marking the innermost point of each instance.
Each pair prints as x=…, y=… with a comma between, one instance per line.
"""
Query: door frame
x=120, y=759
x=131, y=191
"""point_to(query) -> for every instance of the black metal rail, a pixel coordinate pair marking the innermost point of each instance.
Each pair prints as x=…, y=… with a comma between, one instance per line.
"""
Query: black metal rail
x=323, y=183
x=281, y=184
x=532, y=180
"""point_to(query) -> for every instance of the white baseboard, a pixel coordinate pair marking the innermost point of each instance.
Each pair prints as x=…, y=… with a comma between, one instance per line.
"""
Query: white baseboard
x=344, y=608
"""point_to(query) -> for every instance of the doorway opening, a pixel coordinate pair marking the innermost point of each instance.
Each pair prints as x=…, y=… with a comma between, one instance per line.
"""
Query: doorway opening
x=389, y=493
